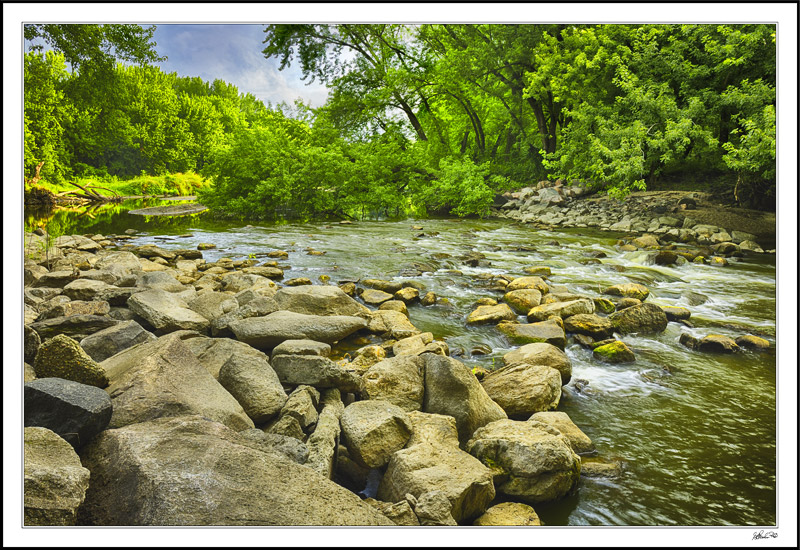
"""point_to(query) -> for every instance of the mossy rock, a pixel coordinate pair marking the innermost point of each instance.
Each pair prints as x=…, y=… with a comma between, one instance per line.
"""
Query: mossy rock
x=752, y=342
x=63, y=357
x=629, y=290
x=615, y=352
x=603, y=305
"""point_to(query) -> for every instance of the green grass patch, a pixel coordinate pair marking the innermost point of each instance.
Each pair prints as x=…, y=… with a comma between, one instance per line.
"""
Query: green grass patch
x=178, y=184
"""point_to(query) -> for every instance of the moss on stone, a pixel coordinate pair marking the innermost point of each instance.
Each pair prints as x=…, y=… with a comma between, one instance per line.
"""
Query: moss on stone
x=615, y=352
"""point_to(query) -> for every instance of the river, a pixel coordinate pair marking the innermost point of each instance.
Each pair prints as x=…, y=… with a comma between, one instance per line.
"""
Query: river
x=695, y=432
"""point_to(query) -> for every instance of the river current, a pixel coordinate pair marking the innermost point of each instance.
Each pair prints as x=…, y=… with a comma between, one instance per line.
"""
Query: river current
x=695, y=432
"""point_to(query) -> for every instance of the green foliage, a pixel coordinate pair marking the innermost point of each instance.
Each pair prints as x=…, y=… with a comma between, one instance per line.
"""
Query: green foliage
x=461, y=187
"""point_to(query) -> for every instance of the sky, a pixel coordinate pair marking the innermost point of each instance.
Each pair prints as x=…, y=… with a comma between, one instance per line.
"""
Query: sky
x=233, y=53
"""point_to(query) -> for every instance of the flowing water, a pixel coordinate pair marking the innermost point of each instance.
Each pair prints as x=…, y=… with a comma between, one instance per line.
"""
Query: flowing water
x=695, y=432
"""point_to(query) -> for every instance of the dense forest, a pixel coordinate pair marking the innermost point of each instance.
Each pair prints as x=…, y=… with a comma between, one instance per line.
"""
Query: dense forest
x=428, y=118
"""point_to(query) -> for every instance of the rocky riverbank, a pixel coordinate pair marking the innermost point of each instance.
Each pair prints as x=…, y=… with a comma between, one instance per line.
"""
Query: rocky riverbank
x=163, y=389
x=673, y=216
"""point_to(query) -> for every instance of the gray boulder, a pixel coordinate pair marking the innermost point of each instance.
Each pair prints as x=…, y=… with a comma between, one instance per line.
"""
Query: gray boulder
x=373, y=430
x=215, y=352
x=84, y=289
x=105, y=343
x=451, y=389
x=212, y=304
x=269, y=331
x=561, y=309
x=160, y=280
x=548, y=332
x=561, y=421
x=398, y=380
x=530, y=461
x=316, y=371
x=319, y=300
x=641, y=318
x=392, y=323
x=302, y=347
x=523, y=389
x=541, y=354
x=74, y=325
x=75, y=307
x=55, y=482
x=280, y=445
x=76, y=412
x=253, y=383
x=166, y=312
x=192, y=471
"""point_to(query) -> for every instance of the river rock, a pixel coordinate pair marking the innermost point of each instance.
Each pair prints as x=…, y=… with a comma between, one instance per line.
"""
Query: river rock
x=238, y=281
x=105, y=343
x=717, y=343
x=434, y=508
x=676, y=313
x=598, y=468
x=508, y=514
x=629, y=290
x=84, y=289
x=166, y=312
x=322, y=300
x=76, y=412
x=428, y=299
x=523, y=300
x=211, y=352
x=316, y=371
x=541, y=354
x=376, y=297
x=412, y=345
x=279, y=445
x=491, y=315
x=212, y=304
x=379, y=284
x=561, y=309
x=31, y=343
x=521, y=283
x=589, y=324
x=397, y=380
x=523, y=389
x=260, y=306
x=642, y=318
x=625, y=303
x=392, y=323
x=160, y=280
x=62, y=357
x=530, y=461
x=548, y=331
x=322, y=443
x=452, y=389
x=164, y=378
x=75, y=307
x=269, y=331
x=55, y=482
x=400, y=513
x=373, y=430
x=118, y=261
x=302, y=347
x=561, y=421
x=153, y=251
x=270, y=272
x=646, y=241
x=394, y=305
x=253, y=383
x=614, y=352
x=752, y=342
x=751, y=246
x=74, y=325
x=302, y=405
x=192, y=471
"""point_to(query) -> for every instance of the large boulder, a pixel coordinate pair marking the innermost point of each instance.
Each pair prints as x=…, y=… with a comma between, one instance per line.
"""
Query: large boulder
x=212, y=304
x=549, y=332
x=717, y=343
x=324, y=440
x=644, y=318
x=76, y=412
x=530, y=461
x=302, y=347
x=561, y=421
x=74, y=325
x=164, y=378
x=238, y=281
x=253, y=383
x=269, y=331
x=215, y=352
x=373, y=430
x=398, y=380
x=84, y=289
x=629, y=290
x=589, y=324
x=313, y=370
x=543, y=354
x=561, y=309
x=523, y=300
x=166, y=312
x=614, y=352
x=523, y=389
x=451, y=389
x=63, y=357
x=508, y=514
x=392, y=323
x=105, y=343
x=435, y=463
x=491, y=315
x=319, y=300
x=55, y=481
x=193, y=471
x=528, y=282
x=75, y=307
x=160, y=280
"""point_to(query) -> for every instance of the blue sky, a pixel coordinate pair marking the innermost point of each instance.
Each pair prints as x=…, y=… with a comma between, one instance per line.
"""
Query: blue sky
x=233, y=54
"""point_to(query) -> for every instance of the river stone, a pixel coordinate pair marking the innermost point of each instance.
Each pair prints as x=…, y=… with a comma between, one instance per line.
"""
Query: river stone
x=213, y=304
x=625, y=303
x=253, y=383
x=397, y=380
x=400, y=513
x=379, y=284
x=523, y=300
x=589, y=324
x=561, y=309
x=63, y=357
x=665, y=257
x=614, y=352
x=153, y=251
x=323, y=300
x=527, y=283
x=716, y=343
x=751, y=246
x=373, y=430
x=287, y=426
x=629, y=290
x=76, y=307
x=324, y=440
x=508, y=514
x=542, y=354
x=530, y=461
x=676, y=313
x=270, y=272
x=281, y=446
x=523, y=389
x=271, y=330
x=646, y=241
x=74, y=325
x=484, y=315
x=366, y=357
x=561, y=421
x=302, y=347
x=752, y=342
x=166, y=312
x=452, y=389
x=118, y=261
x=302, y=405
x=259, y=306
x=105, y=343
x=433, y=508
x=85, y=289
x=55, y=482
x=642, y=318
x=428, y=299
x=394, y=305
x=407, y=295
x=74, y=411
x=597, y=468
x=525, y=333
x=538, y=270
x=31, y=344
x=392, y=323
x=164, y=378
x=238, y=281
x=316, y=371
x=377, y=297
x=193, y=471
x=55, y=279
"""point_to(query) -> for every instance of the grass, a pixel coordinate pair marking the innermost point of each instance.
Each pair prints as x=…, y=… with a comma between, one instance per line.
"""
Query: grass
x=177, y=184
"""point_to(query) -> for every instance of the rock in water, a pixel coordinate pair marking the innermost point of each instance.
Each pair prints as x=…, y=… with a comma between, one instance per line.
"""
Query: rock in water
x=524, y=389
x=192, y=471
x=642, y=318
x=271, y=330
x=614, y=352
x=373, y=430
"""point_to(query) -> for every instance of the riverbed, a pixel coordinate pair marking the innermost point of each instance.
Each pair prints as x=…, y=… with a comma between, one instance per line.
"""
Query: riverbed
x=695, y=432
